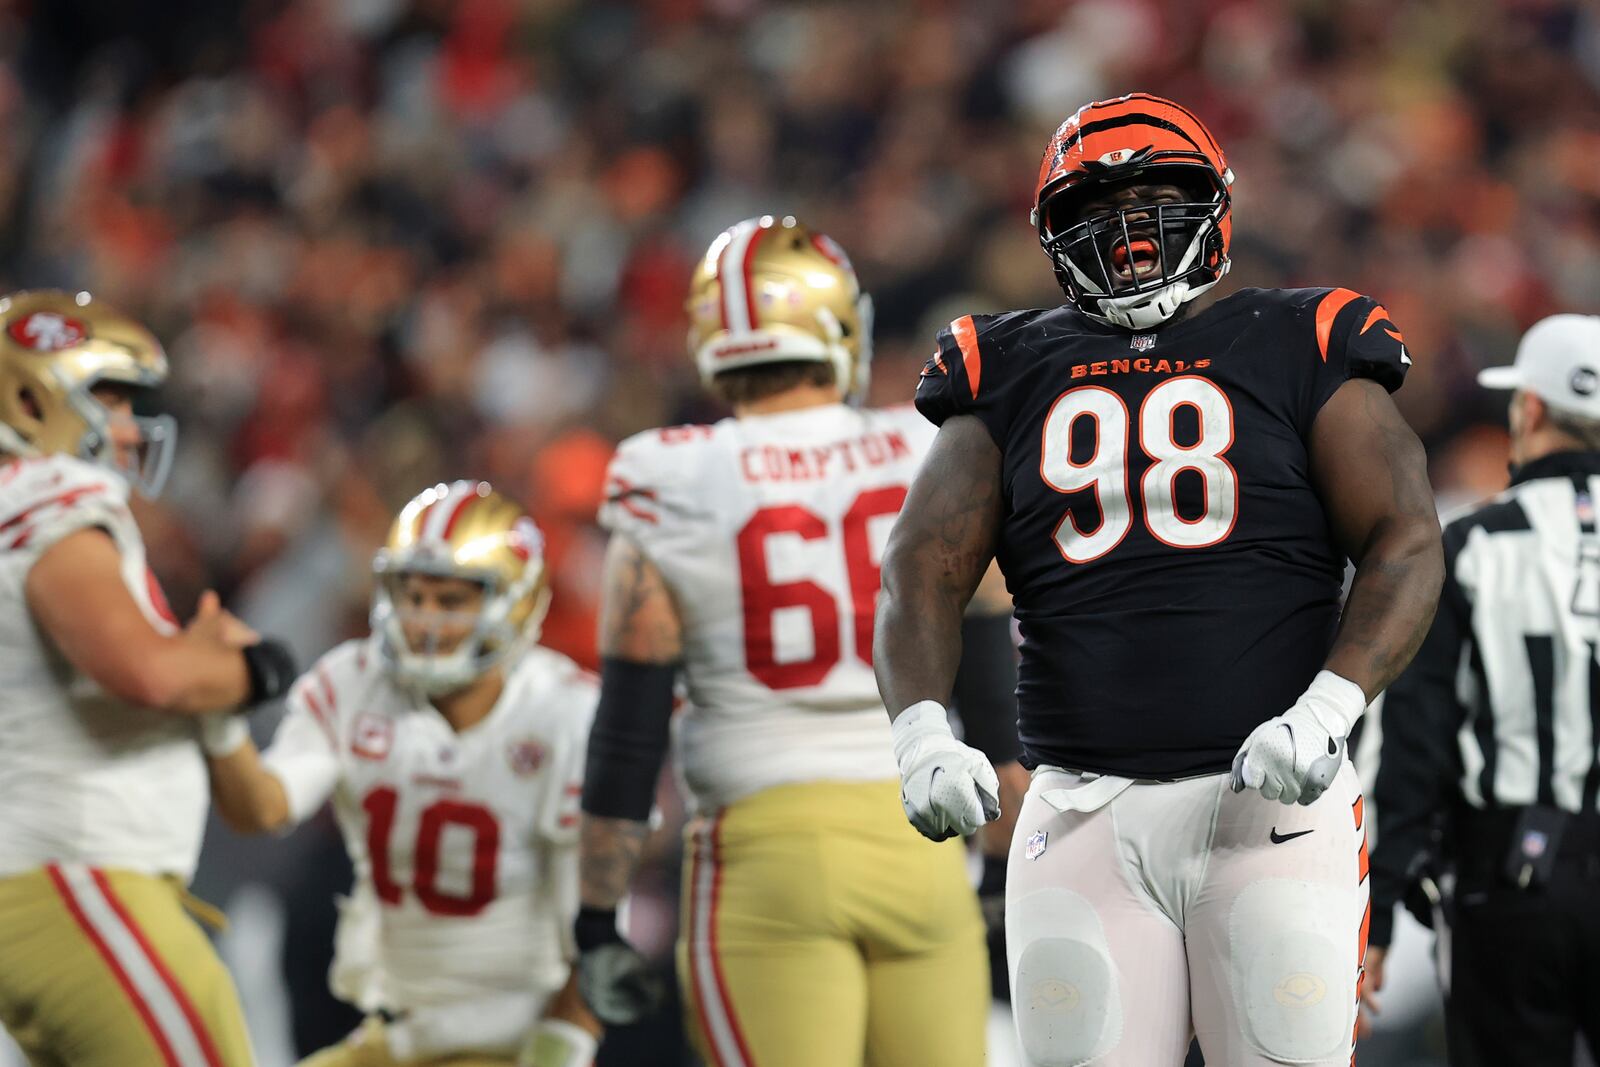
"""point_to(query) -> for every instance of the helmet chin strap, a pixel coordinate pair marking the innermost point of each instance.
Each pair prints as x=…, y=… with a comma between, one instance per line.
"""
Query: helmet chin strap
x=1144, y=311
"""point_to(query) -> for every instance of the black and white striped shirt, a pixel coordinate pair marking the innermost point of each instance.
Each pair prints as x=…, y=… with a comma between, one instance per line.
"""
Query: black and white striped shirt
x=1501, y=707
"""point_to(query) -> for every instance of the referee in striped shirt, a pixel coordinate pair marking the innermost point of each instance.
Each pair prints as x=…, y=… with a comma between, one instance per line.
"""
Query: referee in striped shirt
x=1488, y=776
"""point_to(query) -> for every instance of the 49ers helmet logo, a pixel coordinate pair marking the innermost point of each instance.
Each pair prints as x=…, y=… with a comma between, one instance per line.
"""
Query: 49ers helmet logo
x=47, y=331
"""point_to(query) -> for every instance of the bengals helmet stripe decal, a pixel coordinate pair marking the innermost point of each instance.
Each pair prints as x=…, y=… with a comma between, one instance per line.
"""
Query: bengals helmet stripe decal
x=1122, y=121
x=1159, y=124
x=1202, y=127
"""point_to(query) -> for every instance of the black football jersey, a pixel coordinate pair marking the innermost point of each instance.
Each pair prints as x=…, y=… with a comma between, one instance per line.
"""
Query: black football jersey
x=1175, y=578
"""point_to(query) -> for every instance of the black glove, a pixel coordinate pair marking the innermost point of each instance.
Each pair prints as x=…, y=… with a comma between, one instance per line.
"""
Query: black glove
x=271, y=668
x=619, y=985
x=1423, y=896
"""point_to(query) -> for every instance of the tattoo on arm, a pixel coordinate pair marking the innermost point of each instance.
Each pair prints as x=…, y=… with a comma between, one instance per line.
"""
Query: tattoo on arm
x=938, y=552
x=608, y=853
x=638, y=618
x=1373, y=474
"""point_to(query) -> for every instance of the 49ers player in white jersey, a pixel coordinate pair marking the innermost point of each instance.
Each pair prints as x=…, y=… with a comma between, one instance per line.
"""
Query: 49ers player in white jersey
x=452, y=747
x=747, y=552
x=102, y=785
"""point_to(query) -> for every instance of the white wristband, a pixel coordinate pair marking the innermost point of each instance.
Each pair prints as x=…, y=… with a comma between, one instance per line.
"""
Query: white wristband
x=223, y=734
x=1335, y=702
x=559, y=1043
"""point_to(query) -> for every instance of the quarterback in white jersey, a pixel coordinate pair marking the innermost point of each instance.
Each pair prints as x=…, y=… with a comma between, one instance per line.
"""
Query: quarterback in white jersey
x=746, y=553
x=102, y=784
x=452, y=748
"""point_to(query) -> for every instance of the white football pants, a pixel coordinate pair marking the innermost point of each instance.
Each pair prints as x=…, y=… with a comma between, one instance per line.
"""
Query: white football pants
x=1139, y=913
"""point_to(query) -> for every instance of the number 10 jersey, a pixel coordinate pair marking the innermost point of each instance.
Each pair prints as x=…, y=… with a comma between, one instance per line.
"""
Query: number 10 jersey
x=769, y=531
x=464, y=843
x=1174, y=575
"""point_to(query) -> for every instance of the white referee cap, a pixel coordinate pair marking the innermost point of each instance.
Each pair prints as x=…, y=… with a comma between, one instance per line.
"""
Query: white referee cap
x=1558, y=360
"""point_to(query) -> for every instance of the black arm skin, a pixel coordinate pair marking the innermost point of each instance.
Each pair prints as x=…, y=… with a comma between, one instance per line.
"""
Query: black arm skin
x=1371, y=474
x=938, y=551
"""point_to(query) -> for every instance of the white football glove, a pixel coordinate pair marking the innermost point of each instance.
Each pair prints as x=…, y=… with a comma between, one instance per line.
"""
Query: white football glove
x=947, y=788
x=558, y=1043
x=1294, y=757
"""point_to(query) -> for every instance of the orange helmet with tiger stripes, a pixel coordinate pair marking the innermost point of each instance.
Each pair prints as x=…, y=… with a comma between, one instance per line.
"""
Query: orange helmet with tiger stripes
x=1135, y=266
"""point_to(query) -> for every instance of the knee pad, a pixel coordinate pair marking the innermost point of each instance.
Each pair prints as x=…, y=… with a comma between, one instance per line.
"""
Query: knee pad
x=1294, y=953
x=1064, y=993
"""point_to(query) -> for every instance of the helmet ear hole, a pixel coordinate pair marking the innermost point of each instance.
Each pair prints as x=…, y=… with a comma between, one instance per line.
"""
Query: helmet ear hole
x=30, y=403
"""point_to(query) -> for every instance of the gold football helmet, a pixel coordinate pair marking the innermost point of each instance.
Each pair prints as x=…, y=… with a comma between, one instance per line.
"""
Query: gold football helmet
x=55, y=347
x=463, y=530
x=769, y=290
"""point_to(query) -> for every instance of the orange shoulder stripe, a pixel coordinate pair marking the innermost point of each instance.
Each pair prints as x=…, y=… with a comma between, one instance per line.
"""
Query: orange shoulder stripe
x=966, y=335
x=1328, y=309
x=1379, y=314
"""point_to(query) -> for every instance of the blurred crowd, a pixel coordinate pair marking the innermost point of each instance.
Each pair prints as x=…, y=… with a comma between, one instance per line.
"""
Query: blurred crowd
x=393, y=241
x=390, y=242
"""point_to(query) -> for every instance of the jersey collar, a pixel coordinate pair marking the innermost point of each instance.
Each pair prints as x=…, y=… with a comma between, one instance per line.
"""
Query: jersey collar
x=1557, y=465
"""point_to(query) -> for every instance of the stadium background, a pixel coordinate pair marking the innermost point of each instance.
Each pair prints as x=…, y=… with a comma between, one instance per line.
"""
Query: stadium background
x=395, y=241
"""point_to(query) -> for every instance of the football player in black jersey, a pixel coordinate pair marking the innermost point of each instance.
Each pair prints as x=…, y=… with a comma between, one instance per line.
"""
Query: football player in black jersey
x=1171, y=484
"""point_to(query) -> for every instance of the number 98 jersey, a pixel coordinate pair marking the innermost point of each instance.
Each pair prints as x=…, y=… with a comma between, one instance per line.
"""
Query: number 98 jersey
x=769, y=531
x=1175, y=579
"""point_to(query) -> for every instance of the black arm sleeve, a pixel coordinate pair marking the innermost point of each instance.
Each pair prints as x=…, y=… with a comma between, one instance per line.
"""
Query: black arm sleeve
x=628, y=741
x=1419, y=763
x=985, y=692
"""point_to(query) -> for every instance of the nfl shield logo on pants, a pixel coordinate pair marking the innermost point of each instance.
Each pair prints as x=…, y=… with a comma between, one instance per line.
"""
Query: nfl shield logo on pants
x=1035, y=846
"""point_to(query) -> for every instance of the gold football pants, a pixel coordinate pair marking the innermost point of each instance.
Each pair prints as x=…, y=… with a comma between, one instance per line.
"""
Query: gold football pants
x=368, y=1047
x=820, y=928
x=106, y=969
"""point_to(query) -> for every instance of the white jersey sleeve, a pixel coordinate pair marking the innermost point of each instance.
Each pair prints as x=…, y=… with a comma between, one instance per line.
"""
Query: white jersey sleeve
x=562, y=787
x=560, y=800
x=84, y=776
x=648, y=499
x=305, y=752
x=48, y=498
x=769, y=531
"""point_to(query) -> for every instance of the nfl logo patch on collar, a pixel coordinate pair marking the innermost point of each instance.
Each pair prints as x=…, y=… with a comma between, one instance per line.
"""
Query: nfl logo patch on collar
x=1035, y=847
x=1142, y=342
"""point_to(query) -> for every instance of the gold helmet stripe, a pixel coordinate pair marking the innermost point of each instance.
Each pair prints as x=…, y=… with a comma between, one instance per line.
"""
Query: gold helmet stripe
x=733, y=272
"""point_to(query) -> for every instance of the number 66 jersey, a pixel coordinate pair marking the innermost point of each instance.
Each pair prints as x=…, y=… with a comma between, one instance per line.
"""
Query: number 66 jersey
x=1174, y=576
x=769, y=530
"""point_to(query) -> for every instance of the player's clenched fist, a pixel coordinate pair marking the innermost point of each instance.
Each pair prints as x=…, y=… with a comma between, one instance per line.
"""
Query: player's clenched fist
x=946, y=787
x=616, y=982
x=1293, y=758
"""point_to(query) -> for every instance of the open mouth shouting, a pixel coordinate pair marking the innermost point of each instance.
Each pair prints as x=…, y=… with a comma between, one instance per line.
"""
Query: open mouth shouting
x=1135, y=260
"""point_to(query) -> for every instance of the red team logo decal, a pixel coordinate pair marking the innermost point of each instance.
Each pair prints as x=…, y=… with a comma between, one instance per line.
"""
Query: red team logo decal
x=525, y=756
x=45, y=331
x=373, y=737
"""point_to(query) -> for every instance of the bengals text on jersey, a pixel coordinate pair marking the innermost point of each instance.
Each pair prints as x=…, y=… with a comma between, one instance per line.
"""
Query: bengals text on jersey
x=1175, y=580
